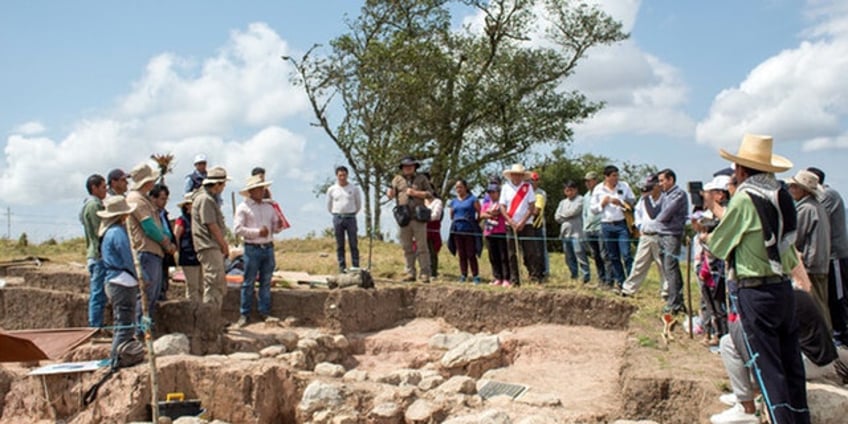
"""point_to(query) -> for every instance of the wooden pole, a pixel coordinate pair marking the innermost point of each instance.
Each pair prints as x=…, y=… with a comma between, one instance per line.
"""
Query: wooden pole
x=148, y=338
x=689, y=285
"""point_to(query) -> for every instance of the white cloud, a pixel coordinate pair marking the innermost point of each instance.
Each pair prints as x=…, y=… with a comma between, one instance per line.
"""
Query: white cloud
x=797, y=95
x=229, y=107
x=30, y=128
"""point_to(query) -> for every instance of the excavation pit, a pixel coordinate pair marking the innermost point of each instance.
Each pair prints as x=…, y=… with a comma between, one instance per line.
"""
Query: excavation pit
x=399, y=353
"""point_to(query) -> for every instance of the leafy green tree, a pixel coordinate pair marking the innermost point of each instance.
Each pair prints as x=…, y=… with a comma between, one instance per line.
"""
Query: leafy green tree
x=463, y=101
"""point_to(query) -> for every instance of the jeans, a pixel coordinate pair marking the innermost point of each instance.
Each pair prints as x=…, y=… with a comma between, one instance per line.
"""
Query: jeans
x=346, y=225
x=123, y=308
x=151, y=273
x=97, y=294
x=669, y=251
x=617, y=240
x=575, y=258
x=257, y=259
x=599, y=255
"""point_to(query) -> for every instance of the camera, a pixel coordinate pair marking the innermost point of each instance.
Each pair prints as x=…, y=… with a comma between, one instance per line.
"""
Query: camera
x=695, y=189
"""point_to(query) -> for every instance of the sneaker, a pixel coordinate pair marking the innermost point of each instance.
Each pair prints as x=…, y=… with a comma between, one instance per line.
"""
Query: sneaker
x=462, y=278
x=242, y=321
x=734, y=415
x=476, y=280
x=728, y=399
x=495, y=283
x=506, y=283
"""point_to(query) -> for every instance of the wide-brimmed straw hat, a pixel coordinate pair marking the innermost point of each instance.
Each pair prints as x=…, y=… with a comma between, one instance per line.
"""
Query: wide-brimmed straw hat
x=114, y=208
x=516, y=168
x=216, y=175
x=186, y=199
x=254, y=181
x=807, y=180
x=755, y=152
x=409, y=160
x=142, y=174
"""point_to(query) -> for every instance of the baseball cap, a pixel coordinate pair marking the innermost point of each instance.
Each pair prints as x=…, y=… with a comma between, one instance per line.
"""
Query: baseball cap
x=493, y=187
x=534, y=176
x=591, y=175
x=719, y=182
x=199, y=158
x=116, y=174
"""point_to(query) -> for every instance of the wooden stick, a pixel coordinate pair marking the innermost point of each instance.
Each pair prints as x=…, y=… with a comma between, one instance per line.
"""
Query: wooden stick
x=689, y=285
x=148, y=338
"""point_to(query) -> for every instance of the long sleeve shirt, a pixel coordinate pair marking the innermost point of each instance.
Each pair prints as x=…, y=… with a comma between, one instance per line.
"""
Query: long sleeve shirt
x=91, y=224
x=117, y=255
x=835, y=207
x=611, y=212
x=812, y=237
x=591, y=220
x=645, y=212
x=675, y=210
x=569, y=214
x=251, y=216
x=740, y=232
x=344, y=200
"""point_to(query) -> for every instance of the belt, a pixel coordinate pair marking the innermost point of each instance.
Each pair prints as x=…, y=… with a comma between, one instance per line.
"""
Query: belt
x=260, y=245
x=621, y=221
x=345, y=215
x=761, y=281
x=647, y=233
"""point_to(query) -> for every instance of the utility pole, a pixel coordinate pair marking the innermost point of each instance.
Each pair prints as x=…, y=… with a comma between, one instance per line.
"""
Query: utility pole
x=8, y=223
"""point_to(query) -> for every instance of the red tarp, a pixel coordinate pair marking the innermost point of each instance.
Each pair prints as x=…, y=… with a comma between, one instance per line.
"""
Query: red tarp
x=37, y=345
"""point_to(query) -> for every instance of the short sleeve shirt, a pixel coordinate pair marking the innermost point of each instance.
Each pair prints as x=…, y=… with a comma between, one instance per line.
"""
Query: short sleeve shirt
x=204, y=211
x=144, y=209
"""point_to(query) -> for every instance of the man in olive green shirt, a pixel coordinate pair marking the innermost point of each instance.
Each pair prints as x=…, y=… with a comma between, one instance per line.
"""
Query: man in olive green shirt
x=755, y=237
x=207, y=230
x=96, y=187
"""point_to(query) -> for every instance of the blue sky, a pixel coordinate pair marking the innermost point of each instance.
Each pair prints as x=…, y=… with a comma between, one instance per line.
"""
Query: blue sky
x=92, y=85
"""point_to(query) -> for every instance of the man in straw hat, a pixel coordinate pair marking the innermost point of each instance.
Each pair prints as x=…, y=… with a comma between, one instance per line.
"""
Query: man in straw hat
x=411, y=188
x=813, y=235
x=207, y=229
x=755, y=237
x=96, y=187
x=149, y=239
x=518, y=205
x=119, y=268
x=256, y=222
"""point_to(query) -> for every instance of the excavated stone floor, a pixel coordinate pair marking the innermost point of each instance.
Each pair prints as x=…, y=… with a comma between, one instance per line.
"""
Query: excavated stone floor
x=400, y=353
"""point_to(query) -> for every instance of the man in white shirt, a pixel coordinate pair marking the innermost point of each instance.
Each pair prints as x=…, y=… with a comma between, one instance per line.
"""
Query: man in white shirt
x=256, y=222
x=648, y=250
x=344, y=201
x=611, y=199
x=517, y=202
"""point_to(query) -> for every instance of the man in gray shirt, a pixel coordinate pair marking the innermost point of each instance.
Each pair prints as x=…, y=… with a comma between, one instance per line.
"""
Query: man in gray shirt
x=569, y=214
x=838, y=268
x=670, y=224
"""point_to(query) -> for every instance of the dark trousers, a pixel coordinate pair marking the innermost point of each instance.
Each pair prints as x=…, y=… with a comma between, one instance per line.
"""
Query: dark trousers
x=525, y=243
x=151, y=271
x=768, y=317
x=346, y=225
x=837, y=282
x=467, y=252
x=498, y=256
x=535, y=262
x=599, y=255
x=669, y=251
x=123, y=314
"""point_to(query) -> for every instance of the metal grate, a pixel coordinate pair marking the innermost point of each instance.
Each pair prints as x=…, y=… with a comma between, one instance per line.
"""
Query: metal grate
x=496, y=388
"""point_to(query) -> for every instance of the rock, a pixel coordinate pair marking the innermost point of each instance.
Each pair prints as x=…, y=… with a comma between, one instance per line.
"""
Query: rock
x=272, y=351
x=385, y=413
x=345, y=419
x=341, y=342
x=244, y=356
x=423, y=412
x=500, y=401
x=165, y=420
x=539, y=399
x=826, y=403
x=219, y=422
x=355, y=375
x=448, y=341
x=288, y=339
x=319, y=395
x=328, y=369
x=431, y=382
x=459, y=384
x=296, y=359
x=307, y=345
x=471, y=350
x=490, y=416
x=538, y=419
x=404, y=376
x=189, y=420
x=172, y=344
x=633, y=422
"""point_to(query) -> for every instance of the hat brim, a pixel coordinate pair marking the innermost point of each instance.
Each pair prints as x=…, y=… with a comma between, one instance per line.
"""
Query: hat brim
x=215, y=180
x=244, y=191
x=416, y=164
x=136, y=185
x=778, y=163
x=509, y=172
x=816, y=191
x=104, y=214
